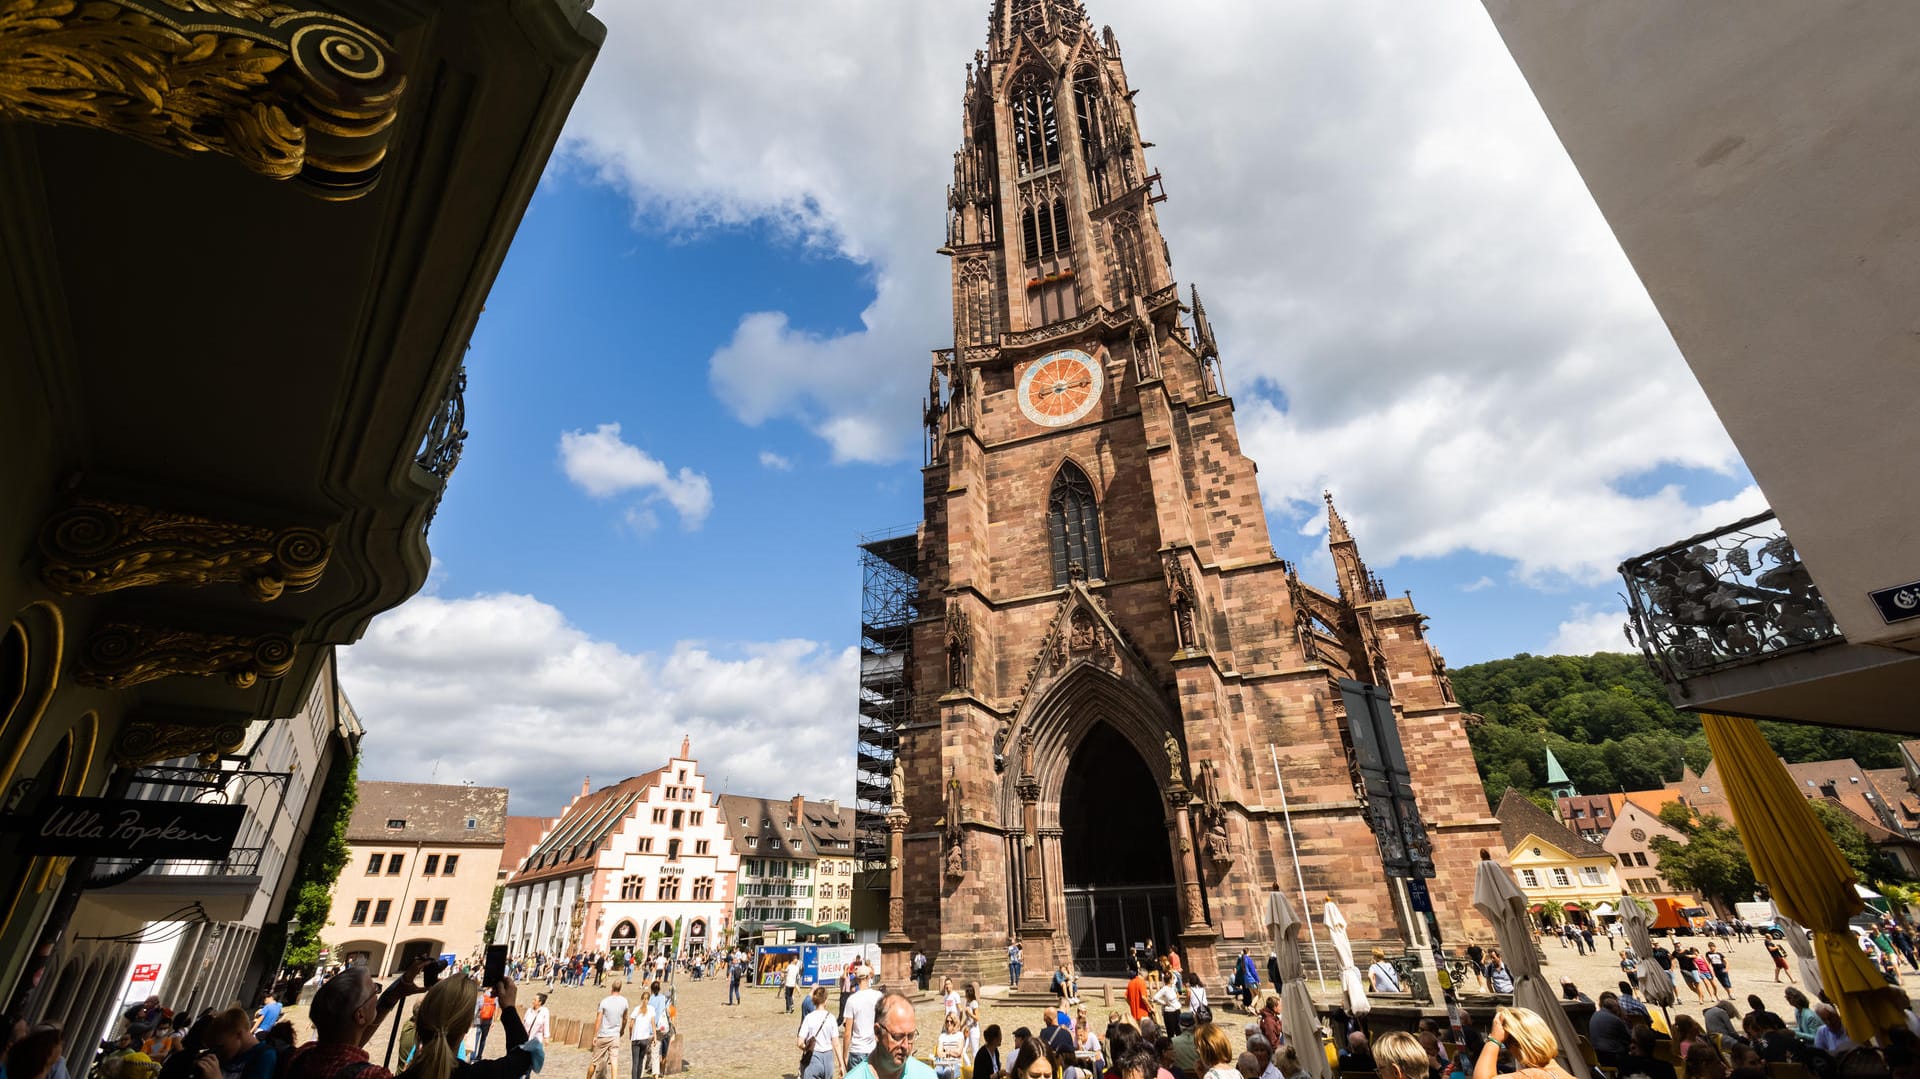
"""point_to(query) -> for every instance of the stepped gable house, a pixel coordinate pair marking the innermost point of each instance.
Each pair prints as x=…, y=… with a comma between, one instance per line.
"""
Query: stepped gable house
x=642, y=863
x=1108, y=662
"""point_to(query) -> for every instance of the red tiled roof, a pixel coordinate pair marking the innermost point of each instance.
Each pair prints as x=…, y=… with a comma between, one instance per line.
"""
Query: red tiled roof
x=573, y=840
x=522, y=834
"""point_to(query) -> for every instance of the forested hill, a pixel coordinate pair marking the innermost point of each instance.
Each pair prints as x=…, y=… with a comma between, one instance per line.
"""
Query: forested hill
x=1608, y=720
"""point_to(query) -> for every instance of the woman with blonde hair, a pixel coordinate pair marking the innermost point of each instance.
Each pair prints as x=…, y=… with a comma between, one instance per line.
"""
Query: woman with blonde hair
x=1216, y=1053
x=440, y=1024
x=1400, y=1055
x=1522, y=1033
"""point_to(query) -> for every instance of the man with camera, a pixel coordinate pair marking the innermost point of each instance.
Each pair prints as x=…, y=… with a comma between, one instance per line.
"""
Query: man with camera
x=346, y=1010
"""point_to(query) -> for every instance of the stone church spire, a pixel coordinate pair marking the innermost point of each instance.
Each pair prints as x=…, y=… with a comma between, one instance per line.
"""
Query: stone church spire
x=1050, y=215
x=1357, y=584
x=1038, y=19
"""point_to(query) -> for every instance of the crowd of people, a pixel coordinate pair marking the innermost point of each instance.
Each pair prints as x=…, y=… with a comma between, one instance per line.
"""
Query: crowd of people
x=595, y=968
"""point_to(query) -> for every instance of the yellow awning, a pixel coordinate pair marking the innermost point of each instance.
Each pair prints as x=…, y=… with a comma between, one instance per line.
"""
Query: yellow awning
x=1797, y=861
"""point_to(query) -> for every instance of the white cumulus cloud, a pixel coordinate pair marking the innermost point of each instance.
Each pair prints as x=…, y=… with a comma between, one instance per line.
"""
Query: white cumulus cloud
x=1589, y=629
x=1419, y=304
x=600, y=463
x=502, y=690
x=775, y=461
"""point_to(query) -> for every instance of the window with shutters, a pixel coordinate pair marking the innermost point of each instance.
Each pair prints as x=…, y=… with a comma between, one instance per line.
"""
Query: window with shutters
x=1073, y=527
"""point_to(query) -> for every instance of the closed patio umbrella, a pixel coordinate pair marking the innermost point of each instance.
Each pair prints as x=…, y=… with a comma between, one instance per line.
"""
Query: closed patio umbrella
x=1500, y=900
x=1809, y=881
x=1802, y=948
x=1656, y=985
x=1350, y=982
x=1296, y=1004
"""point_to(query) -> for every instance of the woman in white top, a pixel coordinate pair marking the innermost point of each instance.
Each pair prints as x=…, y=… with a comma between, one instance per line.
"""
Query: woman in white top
x=947, y=1059
x=971, y=1006
x=1196, y=996
x=1087, y=1044
x=1385, y=979
x=540, y=1021
x=819, y=1040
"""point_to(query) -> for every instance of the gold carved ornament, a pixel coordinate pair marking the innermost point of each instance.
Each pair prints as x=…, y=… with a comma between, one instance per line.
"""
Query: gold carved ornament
x=144, y=741
x=289, y=93
x=94, y=546
x=123, y=654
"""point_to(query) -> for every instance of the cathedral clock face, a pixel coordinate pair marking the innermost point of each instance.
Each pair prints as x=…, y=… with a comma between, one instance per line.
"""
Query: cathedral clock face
x=1060, y=387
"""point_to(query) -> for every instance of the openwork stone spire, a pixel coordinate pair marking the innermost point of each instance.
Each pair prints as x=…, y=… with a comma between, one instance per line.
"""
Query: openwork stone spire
x=1039, y=19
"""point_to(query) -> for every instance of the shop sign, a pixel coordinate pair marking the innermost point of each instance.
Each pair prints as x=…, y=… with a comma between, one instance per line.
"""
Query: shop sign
x=67, y=826
x=1899, y=603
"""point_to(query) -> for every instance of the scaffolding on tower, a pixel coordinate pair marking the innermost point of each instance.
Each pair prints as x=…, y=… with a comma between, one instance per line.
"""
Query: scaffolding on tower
x=889, y=605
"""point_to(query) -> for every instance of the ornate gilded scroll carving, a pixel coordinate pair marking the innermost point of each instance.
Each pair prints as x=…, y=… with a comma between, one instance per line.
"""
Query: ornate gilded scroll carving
x=290, y=93
x=144, y=741
x=95, y=546
x=122, y=654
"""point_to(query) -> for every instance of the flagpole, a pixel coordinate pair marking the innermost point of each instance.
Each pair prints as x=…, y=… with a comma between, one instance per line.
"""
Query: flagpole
x=1299, y=878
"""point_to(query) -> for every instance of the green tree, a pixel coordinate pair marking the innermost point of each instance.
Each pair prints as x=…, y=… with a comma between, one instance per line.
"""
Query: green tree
x=322, y=857
x=1612, y=725
x=493, y=912
x=1712, y=862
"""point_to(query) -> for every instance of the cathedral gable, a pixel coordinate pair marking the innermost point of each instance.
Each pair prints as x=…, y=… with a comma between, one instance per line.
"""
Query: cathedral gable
x=1082, y=635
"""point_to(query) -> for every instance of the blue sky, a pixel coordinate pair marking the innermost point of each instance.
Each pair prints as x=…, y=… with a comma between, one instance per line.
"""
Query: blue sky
x=734, y=264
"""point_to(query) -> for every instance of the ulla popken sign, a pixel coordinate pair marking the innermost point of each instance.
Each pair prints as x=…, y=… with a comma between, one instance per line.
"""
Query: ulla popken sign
x=122, y=828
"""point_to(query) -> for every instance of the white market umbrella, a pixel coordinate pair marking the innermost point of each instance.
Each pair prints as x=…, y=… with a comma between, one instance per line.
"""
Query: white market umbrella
x=1802, y=949
x=1350, y=981
x=1656, y=985
x=1500, y=900
x=1296, y=1004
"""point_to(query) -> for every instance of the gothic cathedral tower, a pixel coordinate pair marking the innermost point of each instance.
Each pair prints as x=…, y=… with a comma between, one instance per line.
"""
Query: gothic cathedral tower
x=1127, y=723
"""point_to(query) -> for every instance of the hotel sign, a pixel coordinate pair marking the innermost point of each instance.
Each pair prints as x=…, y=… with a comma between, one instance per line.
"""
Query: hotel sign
x=66, y=826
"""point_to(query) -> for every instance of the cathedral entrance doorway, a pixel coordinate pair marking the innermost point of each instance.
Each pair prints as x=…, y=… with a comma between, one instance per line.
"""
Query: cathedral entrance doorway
x=1116, y=864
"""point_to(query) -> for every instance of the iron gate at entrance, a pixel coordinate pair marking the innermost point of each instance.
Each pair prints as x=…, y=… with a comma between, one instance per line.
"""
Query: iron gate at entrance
x=1105, y=925
x=1116, y=855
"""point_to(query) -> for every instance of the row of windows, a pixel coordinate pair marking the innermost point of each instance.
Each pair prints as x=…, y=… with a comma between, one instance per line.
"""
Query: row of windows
x=754, y=867
x=634, y=886
x=747, y=911
x=804, y=891
x=680, y=816
x=680, y=794
x=1647, y=884
x=1561, y=878
x=432, y=866
x=1634, y=858
x=425, y=912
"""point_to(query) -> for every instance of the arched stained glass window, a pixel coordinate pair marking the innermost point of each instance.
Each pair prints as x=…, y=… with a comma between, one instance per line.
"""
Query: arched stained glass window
x=1073, y=526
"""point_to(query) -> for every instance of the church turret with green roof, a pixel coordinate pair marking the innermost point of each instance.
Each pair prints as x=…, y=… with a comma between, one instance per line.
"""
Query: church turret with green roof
x=1558, y=784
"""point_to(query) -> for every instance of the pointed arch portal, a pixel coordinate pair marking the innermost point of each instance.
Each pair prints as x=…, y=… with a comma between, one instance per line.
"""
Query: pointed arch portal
x=1116, y=863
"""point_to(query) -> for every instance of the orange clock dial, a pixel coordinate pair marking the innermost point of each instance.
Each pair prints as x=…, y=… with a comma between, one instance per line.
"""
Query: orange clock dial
x=1060, y=387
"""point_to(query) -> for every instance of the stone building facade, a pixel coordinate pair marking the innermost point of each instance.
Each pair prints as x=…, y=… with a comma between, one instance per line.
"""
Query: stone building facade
x=1123, y=697
x=791, y=853
x=639, y=862
x=420, y=879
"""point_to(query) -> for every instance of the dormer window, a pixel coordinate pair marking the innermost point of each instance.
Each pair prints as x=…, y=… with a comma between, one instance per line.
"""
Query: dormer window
x=396, y=823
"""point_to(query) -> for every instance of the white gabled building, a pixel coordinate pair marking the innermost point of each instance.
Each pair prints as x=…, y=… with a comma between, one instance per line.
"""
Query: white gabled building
x=623, y=866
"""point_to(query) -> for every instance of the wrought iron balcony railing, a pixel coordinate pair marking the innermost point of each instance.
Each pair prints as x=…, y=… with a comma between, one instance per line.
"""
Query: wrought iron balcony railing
x=1723, y=599
x=264, y=793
